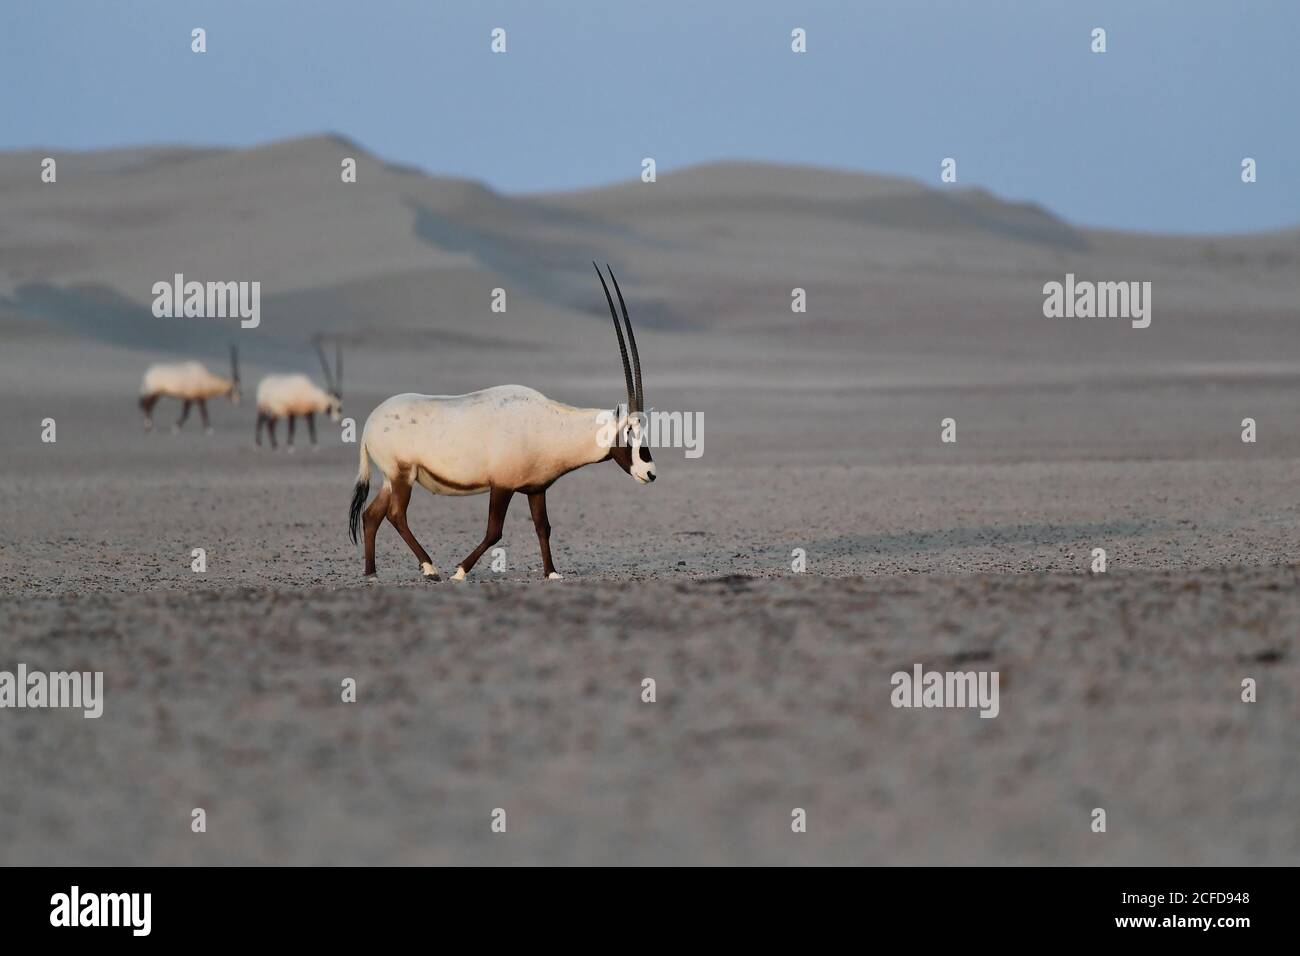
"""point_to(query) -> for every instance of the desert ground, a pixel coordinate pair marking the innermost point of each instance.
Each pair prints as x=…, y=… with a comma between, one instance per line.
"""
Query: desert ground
x=1119, y=690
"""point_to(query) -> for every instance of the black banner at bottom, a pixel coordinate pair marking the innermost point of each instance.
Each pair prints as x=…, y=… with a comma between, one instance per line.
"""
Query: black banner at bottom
x=337, y=905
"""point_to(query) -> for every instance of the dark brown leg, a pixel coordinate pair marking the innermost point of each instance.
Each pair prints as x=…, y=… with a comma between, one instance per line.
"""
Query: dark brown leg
x=185, y=413
x=257, y=429
x=537, y=504
x=371, y=519
x=397, y=515
x=292, y=419
x=147, y=402
x=311, y=428
x=270, y=430
x=203, y=414
x=500, y=501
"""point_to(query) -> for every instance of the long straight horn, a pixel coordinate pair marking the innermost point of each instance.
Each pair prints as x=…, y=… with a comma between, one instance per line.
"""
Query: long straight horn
x=631, y=341
x=338, y=369
x=320, y=353
x=234, y=364
x=622, y=346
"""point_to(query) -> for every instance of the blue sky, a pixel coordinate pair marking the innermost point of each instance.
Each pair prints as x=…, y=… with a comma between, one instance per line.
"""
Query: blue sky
x=1148, y=136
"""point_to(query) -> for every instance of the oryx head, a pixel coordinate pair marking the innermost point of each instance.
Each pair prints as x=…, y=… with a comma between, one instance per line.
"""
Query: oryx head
x=234, y=375
x=333, y=380
x=631, y=447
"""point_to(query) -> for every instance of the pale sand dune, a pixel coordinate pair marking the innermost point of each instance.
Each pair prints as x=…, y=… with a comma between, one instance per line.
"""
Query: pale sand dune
x=821, y=433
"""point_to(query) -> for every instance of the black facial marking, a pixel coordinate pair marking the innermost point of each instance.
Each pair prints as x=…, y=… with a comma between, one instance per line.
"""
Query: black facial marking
x=645, y=454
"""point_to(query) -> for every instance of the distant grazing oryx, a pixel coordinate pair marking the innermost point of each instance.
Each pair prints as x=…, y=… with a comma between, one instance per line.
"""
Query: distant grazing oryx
x=294, y=395
x=500, y=440
x=190, y=382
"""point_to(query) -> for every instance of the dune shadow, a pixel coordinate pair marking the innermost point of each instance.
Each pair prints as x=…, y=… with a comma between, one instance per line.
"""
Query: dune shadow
x=101, y=313
x=558, y=270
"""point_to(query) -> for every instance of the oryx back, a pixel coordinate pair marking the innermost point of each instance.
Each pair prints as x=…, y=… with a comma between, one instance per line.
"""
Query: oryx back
x=282, y=395
x=185, y=380
x=465, y=444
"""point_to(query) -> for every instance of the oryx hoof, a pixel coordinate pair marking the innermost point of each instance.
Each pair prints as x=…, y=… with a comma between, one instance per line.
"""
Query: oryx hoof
x=429, y=571
x=459, y=575
x=555, y=576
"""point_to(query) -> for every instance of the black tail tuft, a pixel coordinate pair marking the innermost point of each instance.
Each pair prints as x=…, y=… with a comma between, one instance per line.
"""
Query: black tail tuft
x=358, y=502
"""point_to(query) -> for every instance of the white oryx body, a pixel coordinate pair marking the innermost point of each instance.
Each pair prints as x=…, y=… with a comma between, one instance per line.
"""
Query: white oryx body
x=296, y=396
x=500, y=441
x=281, y=395
x=506, y=437
x=188, y=382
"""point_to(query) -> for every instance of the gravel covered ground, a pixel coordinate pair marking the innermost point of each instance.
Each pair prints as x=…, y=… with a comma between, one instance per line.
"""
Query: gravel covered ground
x=1120, y=692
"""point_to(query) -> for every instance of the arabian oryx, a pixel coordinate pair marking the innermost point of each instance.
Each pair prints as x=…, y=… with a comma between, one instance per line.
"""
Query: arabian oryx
x=497, y=441
x=190, y=382
x=293, y=395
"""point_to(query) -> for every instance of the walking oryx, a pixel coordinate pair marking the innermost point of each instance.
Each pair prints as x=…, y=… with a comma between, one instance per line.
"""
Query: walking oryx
x=497, y=441
x=189, y=382
x=294, y=395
